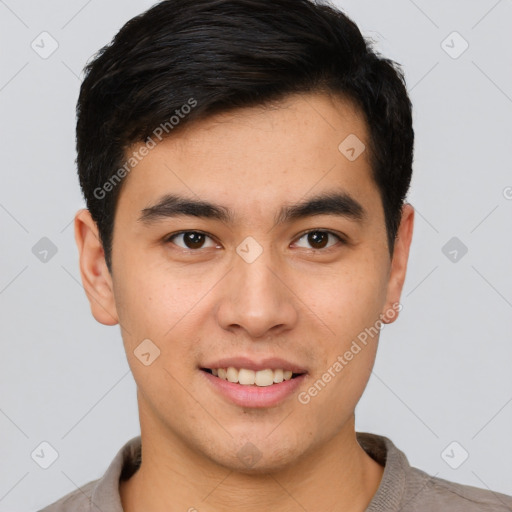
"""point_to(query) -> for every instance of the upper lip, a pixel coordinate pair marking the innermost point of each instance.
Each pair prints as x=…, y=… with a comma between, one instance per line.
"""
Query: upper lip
x=251, y=364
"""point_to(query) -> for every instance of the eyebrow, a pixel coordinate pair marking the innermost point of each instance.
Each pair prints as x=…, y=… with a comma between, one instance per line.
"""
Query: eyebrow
x=340, y=204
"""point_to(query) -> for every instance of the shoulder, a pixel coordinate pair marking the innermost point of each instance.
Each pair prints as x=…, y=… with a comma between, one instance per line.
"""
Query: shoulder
x=429, y=493
x=405, y=488
x=76, y=501
x=102, y=493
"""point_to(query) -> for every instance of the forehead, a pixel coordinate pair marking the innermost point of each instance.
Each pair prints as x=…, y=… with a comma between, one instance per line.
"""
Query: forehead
x=255, y=157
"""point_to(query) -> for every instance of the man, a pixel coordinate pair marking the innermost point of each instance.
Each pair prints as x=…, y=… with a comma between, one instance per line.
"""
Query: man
x=245, y=165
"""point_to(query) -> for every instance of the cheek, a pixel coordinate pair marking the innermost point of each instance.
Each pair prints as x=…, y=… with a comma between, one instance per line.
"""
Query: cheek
x=347, y=300
x=350, y=306
x=341, y=378
x=151, y=301
x=154, y=305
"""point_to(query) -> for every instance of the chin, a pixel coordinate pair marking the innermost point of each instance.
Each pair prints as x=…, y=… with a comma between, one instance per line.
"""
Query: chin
x=258, y=455
x=266, y=464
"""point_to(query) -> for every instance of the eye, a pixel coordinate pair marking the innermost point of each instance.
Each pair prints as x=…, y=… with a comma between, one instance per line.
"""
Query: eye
x=194, y=240
x=319, y=239
x=191, y=240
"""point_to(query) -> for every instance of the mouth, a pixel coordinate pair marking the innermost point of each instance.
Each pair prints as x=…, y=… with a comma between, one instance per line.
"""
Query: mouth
x=250, y=383
x=255, y=378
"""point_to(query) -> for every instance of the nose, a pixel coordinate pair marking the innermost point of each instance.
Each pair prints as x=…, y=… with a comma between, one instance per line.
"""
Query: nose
x=257, y=299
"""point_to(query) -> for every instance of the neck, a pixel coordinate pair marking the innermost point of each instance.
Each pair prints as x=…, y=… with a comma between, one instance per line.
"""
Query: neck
x=338, y=476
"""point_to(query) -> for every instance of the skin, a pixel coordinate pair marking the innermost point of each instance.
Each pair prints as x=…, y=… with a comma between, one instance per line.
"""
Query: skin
x=294, y=301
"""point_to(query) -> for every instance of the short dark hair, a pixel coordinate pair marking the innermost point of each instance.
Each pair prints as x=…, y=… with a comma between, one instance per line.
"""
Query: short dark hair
x=218, y=55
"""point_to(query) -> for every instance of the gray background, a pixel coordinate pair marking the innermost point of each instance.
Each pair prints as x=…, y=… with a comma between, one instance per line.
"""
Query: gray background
x=443, y=371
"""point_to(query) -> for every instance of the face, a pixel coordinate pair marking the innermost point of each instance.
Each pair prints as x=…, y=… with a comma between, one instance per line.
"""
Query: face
x=250, y=283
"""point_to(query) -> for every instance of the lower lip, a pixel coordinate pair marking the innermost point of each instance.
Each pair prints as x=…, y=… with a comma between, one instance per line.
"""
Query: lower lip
x=255, y=396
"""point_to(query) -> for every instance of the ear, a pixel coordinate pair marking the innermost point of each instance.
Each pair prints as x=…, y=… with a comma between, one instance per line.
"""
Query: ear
x=399, y=265
x=96, y=277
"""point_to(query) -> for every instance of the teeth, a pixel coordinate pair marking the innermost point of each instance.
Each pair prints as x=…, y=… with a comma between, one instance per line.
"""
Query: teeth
x=232, y=374
x=247, y=377
x=278, y=376
x=264, y=378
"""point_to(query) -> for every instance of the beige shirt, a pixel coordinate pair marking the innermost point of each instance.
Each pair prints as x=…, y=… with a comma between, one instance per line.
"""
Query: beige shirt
x=402, y=488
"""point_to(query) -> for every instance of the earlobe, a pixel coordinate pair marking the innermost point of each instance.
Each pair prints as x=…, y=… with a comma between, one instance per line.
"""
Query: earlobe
x=399, y=265
x=96, y=277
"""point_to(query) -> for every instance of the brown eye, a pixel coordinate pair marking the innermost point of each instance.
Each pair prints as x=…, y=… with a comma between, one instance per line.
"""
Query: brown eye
x=318, y=239
x=191, y=240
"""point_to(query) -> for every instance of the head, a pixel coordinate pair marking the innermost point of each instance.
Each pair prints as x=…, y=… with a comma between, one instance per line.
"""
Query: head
x=245, y=165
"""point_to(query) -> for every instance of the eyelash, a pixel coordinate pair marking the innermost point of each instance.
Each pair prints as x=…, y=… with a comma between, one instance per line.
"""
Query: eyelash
x=341, y=239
